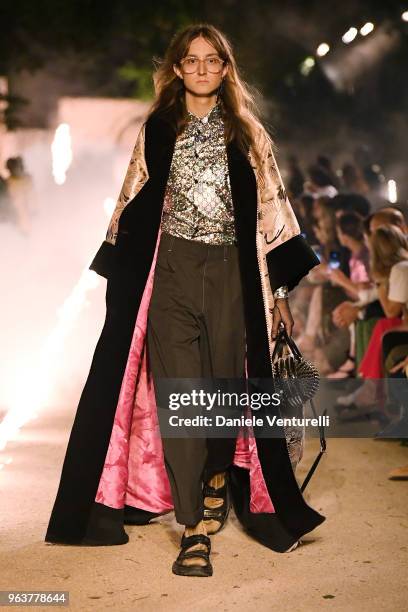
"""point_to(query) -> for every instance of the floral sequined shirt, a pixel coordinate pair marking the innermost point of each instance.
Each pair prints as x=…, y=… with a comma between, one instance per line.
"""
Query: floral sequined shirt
x=198, y=202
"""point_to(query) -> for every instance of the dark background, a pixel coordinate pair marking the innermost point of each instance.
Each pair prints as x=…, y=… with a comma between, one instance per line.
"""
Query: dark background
x=50, y=48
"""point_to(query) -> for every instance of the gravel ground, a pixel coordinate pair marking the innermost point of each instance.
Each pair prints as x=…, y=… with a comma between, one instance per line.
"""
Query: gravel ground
x=356, y=560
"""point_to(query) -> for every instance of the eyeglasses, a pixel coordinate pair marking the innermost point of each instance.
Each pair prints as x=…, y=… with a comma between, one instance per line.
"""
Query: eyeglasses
x=213, y=64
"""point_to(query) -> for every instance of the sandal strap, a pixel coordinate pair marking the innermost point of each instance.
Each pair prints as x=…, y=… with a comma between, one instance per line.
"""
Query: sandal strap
x=214, y=513
x=199, y=538
x=202, y=554
x=209, y=491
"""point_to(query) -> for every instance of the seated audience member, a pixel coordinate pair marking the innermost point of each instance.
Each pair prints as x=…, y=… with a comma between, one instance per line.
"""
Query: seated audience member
x=368, y=307
x=352, y=203
x=295, y=178
x=350, y=232
x=305, y=217
x=349, y=203
x=372, y=173
x=22, y=194
x=389, y=215
x=389, y=269
x=326, y=165
x=321, y=208
x=319, y=183
x=319, y=329
x=353, y=180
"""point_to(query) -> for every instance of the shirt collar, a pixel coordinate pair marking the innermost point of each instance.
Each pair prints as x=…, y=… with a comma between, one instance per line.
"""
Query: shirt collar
x=212, y=115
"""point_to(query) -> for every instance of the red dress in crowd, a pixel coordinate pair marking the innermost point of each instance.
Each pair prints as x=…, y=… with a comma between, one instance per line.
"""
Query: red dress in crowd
x=371, y=365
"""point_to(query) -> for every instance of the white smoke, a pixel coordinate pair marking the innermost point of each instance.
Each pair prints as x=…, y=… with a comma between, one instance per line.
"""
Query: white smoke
x=53, y=307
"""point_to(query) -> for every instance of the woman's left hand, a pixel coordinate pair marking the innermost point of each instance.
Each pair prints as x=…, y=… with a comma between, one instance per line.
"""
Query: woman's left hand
x=281, y=314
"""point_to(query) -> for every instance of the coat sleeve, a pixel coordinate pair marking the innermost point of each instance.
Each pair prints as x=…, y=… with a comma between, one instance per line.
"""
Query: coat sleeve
x=290, y=262
x=135, y=178
x=288, y=255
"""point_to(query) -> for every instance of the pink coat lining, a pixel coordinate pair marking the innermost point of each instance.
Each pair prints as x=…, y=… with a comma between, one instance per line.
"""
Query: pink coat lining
x=134, y=473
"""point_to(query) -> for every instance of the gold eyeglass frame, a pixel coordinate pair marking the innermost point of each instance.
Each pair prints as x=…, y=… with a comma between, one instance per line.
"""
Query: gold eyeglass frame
x=181, y=63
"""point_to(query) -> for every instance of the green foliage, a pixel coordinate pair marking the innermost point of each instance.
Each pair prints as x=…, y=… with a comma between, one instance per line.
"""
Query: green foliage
x=140, y=78
x=114, y=43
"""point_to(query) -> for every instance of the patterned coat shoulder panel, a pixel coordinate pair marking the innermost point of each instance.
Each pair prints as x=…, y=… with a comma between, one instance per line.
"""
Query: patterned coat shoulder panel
x=277, y=220
x=136, y=176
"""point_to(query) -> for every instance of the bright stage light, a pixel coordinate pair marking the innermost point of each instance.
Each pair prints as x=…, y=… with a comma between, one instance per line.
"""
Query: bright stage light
x=404, y=16
x=109, y=206
x=322, y=49
x=392, y=191
x=34, y=393
x=307, y=65
x=349, y=36
x=347, y=64
x=367, y=28
x=61, y=153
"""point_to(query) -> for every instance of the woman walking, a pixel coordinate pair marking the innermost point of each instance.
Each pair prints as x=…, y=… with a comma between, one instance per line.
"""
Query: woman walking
x=200, y=254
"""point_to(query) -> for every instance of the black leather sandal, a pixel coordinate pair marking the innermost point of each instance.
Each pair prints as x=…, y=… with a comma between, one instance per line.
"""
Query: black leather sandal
x=219, y=514
x=193, y=570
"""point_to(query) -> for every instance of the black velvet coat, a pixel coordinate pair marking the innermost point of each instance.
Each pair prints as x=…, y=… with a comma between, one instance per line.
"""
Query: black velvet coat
x=76, y=518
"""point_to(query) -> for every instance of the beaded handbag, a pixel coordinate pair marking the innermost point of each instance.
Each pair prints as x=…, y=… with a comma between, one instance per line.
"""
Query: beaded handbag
x=298, y=377
x=298, y=381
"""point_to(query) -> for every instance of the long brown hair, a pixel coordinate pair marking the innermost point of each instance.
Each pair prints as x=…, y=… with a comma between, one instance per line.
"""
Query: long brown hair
x=237, y=104
x=388, y=246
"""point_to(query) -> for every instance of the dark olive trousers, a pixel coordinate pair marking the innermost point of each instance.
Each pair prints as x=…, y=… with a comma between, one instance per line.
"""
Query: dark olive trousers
x=195, y=330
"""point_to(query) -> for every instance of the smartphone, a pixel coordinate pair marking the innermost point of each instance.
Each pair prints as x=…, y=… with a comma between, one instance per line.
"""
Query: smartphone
x=334, y=260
